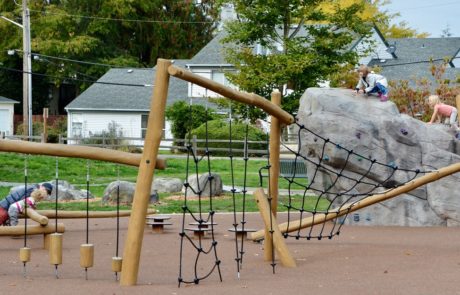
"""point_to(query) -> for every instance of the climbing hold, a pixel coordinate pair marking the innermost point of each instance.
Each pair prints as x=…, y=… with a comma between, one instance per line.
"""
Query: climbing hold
x=404, y=131
x=358, y=135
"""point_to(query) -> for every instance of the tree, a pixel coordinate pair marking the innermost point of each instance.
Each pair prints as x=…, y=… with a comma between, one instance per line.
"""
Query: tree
x=185, y=117
x=306, y=43
x=374, y=11
x=114, y=32
x=446, y=33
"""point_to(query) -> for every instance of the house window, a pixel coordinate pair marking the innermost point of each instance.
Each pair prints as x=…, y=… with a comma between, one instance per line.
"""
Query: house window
x=217, y=75
x=144, y=120
x=77, y=128
x=198, y=91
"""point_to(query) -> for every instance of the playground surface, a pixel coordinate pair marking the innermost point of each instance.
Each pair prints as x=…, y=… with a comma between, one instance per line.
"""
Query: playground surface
x=362, y=260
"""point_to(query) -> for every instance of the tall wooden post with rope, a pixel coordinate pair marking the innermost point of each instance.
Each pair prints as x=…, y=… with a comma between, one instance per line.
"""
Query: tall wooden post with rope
x=275, y=135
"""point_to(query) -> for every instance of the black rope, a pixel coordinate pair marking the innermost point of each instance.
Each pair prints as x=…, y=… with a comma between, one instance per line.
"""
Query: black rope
x=238, y=259
x=87, y=201
x=369, y=175
x=118, y=212
x=198, y=217
x=57, y=194
x=117, y=242
x=25, y=200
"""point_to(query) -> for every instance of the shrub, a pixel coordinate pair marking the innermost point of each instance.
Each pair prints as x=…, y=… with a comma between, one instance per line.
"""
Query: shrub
x=220, y=130
x=109, y=137
x=59, y=126
x=185, y=117
x=412, y=100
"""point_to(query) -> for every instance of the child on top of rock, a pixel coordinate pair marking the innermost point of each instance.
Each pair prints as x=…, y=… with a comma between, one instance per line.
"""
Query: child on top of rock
x=442, y=111
x=371, y=83
x=36, y=196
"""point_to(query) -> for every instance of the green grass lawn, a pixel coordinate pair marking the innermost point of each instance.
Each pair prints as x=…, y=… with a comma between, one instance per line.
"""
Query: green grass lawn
x=43, y=168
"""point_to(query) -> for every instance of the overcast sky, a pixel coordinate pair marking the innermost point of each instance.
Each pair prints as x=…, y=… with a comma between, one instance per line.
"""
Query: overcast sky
x=431, y=16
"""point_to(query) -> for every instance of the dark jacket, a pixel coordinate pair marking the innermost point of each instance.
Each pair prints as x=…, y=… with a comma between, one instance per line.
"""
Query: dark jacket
x=17, y=195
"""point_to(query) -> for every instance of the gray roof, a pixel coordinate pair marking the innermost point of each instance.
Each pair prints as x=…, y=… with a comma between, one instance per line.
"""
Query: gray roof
x=132, y=96
x=214, y=52
x=7, y=100
x=414, y=55
x=211, y=53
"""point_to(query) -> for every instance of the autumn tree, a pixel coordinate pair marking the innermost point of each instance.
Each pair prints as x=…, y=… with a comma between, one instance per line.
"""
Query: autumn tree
x=376, y=12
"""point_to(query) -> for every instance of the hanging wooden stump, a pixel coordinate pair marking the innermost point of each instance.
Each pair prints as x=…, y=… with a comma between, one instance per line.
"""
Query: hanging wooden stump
x=24, y=254
x=86, y=255
x=117, y=263
x=55, y=248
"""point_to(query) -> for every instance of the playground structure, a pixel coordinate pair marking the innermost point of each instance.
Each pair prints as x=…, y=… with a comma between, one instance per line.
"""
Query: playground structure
x=148, y=161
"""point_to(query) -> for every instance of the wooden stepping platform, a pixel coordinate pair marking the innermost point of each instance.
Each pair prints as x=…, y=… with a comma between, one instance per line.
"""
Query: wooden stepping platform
x=242, y=233
x=202, y=224
x=198, y=232
x=157, y=222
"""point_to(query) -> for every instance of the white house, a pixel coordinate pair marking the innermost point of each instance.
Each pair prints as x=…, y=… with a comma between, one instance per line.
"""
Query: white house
x=6, y=115
x=123, y=95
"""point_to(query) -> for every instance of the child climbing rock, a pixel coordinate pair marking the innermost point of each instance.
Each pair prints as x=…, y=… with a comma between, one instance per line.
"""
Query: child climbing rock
x=371, y=83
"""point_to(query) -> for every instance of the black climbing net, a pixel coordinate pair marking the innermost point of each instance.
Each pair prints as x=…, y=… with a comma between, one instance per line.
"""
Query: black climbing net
x=338, y=178
x=201, y=237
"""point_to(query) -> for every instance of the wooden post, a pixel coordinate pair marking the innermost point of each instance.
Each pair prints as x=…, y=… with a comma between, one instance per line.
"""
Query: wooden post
x=274, y=145
x=458, y=110
x=135, y=235
x=19, y=230
x=46, y=241
x=275, y=135
x=32, y=214
x=278, y=240
x=45, y=120
x=71, y=151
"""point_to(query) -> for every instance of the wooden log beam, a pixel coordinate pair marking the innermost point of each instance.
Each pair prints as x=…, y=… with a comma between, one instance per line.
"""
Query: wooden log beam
x=74, y=151
x=91, y=214
x=19, y=230
x=37, y=217
x=270, y=222
x=371, y=200
x=247, y=98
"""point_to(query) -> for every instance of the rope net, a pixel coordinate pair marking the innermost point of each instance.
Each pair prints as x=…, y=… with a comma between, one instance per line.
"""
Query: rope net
x=199, y=186
x=338, y=178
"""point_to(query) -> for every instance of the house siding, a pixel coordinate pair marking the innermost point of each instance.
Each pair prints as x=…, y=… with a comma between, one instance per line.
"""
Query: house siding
x=85, y=124
x=93, y=123
x=6, y=118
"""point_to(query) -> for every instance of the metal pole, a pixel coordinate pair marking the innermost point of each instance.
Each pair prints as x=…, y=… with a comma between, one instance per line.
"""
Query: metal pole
x=28, y=51
x=25, y=74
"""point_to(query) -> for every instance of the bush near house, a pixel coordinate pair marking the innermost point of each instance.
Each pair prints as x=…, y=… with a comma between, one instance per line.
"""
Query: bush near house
x=185, y=117
x=220, y=129
x=412, y=100
x=58, y=127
